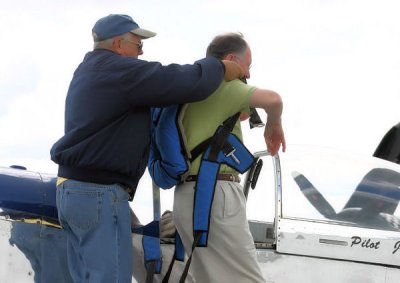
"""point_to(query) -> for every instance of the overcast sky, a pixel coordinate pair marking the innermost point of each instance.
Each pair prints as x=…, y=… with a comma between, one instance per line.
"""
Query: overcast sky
x=336, y=64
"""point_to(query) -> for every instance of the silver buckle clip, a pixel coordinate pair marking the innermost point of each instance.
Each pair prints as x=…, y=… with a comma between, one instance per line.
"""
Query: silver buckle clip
x=232, y=154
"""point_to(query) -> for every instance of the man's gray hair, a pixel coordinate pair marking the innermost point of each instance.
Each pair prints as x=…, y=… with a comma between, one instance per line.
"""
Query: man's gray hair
x=107, y=43
x=225, y=44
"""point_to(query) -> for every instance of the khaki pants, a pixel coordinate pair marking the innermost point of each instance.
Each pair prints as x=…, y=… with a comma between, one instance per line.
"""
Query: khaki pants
x=230, y=255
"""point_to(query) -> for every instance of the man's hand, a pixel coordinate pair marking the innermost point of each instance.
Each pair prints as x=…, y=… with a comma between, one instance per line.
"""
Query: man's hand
x=274, y=137
x=167, y=225
x=232, y=71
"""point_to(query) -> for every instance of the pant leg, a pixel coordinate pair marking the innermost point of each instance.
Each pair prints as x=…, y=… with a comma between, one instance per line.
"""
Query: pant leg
x=53, y=255
x=230, y=255
x=96, y=219
x=26, y=237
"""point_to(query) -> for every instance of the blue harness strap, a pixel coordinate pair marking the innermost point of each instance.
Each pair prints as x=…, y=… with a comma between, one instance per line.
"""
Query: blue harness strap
x=152, y=256
x=179, y=249
x=207, y=178
x=151, y=248
x=204, y=194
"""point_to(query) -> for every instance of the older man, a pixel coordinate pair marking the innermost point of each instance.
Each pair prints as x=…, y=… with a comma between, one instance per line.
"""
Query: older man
x=104, y=151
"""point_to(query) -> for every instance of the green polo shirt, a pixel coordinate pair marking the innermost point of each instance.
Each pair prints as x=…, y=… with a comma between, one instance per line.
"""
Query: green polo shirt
x=201, y=119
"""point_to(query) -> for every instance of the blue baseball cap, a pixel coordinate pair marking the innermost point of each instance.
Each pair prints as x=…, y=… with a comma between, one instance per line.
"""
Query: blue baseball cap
x=117, y=24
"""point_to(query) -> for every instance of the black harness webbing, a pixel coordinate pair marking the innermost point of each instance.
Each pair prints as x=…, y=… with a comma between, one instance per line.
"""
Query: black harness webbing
x=179, y=254
x=168, y=274
x=189, y=261
x=151, y=270
x=219, y=140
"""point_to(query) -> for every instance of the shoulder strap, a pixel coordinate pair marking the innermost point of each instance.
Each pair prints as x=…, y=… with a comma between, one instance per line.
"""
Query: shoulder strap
x=219, y=139
x=228, y=124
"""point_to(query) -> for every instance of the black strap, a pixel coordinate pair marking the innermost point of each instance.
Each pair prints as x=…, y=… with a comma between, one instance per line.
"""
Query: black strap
x=255, y=120
x=151, y=269
x=231, y=121
x=197, y=236
x=168, y=274
x=219, y=139
x=227, y=127
x=200, y=148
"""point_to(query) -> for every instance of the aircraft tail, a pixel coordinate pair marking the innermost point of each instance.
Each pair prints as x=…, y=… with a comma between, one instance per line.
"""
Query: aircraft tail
x=389, y=147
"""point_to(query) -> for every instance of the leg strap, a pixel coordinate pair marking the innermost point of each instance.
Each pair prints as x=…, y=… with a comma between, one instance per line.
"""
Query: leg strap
x=151, y=248
x=179, y=254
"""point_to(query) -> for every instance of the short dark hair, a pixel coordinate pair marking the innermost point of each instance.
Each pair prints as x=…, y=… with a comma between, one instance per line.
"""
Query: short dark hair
x=225, y=44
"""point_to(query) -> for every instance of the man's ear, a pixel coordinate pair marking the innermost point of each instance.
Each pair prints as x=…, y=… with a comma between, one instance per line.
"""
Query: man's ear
x=229, y=57
x=116, y=45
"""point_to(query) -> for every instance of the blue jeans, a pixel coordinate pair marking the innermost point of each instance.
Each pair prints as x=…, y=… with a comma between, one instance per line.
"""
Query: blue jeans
x=46, y=249
x=97, y=221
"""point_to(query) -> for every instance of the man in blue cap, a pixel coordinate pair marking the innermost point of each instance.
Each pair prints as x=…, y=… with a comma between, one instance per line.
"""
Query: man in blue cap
x=104, y=151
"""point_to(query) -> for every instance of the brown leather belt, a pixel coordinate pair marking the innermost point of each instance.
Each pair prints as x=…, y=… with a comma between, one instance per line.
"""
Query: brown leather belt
x=221, y=177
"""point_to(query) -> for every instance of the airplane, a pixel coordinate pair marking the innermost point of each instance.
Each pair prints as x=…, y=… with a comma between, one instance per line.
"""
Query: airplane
x=316, y=215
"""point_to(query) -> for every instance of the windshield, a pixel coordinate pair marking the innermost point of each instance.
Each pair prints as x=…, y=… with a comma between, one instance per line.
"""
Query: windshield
x=321, y=184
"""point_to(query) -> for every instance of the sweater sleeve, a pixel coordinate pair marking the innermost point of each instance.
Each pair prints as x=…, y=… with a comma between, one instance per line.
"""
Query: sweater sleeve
x=152, y=84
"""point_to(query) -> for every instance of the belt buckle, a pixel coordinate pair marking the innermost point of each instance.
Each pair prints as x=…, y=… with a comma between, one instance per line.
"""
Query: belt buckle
x=234, y=178
x=190, y=178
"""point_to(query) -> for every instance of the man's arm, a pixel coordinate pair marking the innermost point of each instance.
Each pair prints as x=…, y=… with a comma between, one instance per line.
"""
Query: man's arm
x=161, y=86
x=271, y=102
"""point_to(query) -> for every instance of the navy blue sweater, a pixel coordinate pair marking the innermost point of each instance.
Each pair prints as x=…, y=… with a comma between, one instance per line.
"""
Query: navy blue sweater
x=107, y=113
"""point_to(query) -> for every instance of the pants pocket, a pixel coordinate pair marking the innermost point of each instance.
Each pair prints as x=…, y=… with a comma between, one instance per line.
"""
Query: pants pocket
x=81, y=209
x=232, y=202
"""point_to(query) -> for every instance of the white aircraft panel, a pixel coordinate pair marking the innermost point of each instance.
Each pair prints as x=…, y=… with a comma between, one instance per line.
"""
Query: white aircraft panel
x=338, y=242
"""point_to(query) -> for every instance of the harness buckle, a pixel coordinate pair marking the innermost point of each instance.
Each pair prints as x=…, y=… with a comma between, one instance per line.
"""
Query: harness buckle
x=232, y=154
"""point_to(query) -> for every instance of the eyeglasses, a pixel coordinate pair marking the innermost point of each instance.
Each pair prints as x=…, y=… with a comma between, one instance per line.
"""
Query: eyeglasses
x=138, y=44
x=240, y=59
